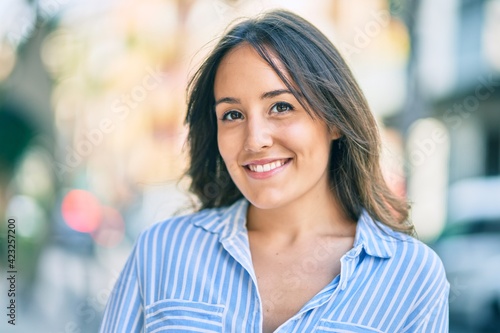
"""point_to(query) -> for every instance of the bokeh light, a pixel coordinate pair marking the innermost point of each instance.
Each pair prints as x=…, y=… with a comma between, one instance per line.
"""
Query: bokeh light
x=31, y=222
x=81, y=211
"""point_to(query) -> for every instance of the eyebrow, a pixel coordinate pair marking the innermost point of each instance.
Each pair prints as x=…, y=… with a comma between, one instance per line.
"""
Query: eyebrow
x=269, y=94
x=274, y=93
x=229, y=100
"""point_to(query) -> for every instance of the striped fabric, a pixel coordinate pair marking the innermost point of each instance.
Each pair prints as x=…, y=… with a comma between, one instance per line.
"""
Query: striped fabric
x=194, y=274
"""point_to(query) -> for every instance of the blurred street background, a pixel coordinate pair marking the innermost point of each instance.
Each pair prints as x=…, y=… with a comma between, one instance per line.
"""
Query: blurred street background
x=92, y=141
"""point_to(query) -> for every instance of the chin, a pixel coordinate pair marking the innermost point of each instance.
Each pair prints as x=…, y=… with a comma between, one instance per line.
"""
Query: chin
x=267, y=200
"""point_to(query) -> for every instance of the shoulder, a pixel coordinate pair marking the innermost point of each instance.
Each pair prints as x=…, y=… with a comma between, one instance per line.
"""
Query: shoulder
x=426, y=288
x=404, y=258
x=166, y=242
x=218, y=222
x=422, y=266
x=415, y=254
x=180, y=225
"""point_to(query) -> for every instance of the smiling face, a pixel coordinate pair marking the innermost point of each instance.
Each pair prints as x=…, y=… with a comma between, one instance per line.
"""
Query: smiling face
x=275, y=152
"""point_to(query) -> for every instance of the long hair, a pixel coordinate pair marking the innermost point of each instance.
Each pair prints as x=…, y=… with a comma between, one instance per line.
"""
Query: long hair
x=314, y=71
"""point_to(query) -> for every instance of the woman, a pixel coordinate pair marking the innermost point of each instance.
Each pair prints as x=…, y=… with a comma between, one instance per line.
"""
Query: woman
x=297, y=230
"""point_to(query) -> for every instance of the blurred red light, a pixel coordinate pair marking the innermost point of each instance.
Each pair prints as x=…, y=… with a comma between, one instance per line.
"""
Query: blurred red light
x=81, y=211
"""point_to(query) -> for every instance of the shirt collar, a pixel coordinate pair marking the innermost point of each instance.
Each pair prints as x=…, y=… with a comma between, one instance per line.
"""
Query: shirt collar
x=226, y=221
x=375, y=238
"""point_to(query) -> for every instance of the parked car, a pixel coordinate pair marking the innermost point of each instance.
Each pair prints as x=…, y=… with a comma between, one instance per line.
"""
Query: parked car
x=469, y=247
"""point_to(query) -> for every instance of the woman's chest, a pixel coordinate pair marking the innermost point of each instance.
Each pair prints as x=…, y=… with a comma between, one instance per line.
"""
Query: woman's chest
x=285, y=289
x=226, y=299
x=289, y=278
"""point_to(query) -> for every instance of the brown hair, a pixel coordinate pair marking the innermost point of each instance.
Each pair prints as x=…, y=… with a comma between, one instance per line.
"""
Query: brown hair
x=320, y=79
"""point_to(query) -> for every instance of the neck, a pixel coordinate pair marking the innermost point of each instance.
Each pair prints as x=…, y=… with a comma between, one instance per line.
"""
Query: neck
x=302, y=218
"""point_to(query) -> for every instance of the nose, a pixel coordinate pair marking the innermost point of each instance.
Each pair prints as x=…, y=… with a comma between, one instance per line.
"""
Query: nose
x=258, y=134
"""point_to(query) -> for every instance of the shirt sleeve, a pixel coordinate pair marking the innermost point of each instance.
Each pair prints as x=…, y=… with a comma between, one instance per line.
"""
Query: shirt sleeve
x=431, y=313
x=124, y=311
x=437, y=318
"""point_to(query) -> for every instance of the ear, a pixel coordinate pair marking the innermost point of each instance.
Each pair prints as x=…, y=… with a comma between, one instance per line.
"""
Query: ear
x=335, y=133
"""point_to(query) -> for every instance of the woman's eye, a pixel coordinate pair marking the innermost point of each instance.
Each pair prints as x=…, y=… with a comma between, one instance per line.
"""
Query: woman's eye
x=282, y=107
x=232, y=115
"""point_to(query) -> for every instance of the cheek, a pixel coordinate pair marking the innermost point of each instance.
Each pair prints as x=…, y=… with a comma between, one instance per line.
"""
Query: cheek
x=309, y=139
x=227, y=144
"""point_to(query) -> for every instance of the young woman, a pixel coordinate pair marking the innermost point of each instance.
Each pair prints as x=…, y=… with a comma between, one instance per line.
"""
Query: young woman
x=297, y=230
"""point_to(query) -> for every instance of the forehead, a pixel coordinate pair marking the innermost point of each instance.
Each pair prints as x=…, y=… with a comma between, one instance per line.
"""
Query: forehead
x=247, y=51
x=243, y=67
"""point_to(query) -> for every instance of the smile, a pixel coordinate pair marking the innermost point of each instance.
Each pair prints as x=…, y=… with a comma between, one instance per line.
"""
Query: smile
x=261, y=171
x=267, y=167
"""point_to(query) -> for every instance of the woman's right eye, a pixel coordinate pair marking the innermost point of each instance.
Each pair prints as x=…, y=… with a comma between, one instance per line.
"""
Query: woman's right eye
x=232, y=115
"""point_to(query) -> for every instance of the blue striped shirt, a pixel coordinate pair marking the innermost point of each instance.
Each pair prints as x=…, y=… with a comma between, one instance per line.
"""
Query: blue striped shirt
x=194, y=273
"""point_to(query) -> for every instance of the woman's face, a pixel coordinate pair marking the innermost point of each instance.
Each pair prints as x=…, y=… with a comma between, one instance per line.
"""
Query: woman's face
x=274, y=151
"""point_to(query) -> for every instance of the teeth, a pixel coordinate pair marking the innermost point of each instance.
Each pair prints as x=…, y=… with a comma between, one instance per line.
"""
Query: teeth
x=266, y=167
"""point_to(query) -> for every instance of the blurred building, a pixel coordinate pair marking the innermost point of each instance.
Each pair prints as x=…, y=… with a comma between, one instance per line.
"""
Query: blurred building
x=452, y=115
x=461, y=80
x=452, y=125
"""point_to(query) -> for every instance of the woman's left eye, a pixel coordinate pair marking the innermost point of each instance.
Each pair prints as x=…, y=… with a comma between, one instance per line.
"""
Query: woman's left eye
x=281, y=107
